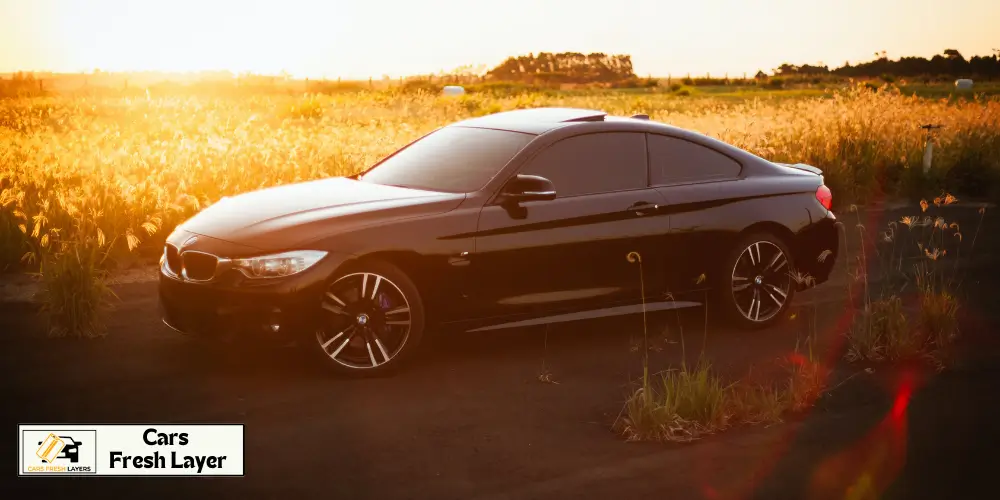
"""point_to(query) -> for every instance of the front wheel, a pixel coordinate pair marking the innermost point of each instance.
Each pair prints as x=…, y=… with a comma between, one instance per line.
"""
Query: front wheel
x=756, y=286
x=372, y=318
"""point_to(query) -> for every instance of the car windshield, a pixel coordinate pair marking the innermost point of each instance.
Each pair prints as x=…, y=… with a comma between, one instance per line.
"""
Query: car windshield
x=451, y=159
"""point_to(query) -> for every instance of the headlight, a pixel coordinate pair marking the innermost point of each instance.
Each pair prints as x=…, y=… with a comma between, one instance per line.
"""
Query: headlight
x=277, y=265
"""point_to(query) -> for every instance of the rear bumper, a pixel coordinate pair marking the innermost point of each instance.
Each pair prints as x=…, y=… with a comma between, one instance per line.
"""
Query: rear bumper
x=817, y=251
x=242, y=305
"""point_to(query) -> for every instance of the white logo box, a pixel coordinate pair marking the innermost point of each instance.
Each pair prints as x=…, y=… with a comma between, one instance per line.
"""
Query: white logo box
x=130, y=449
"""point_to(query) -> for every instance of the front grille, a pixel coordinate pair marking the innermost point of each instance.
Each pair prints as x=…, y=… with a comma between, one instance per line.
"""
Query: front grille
x=199, y=266
x=173, y=259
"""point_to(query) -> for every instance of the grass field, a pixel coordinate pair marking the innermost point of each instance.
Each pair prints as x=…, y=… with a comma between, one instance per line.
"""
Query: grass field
x=112, y=176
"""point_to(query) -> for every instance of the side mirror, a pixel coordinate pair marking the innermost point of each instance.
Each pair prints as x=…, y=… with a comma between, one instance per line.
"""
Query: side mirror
x=523, y=188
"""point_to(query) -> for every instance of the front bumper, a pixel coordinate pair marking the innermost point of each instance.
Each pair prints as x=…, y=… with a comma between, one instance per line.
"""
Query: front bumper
x=235, y=303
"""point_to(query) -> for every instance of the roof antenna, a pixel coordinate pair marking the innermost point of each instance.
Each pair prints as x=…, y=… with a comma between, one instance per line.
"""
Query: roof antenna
x=641, y=117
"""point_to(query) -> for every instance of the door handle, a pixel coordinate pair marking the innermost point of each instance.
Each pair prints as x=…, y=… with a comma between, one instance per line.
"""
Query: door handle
x=643, y=207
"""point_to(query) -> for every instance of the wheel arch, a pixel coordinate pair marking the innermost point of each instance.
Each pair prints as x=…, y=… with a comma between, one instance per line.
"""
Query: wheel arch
x=406, y=260
x=800, y=246
x=394, y=267
x=413, y=265
x=775, y=230
x=779, y=230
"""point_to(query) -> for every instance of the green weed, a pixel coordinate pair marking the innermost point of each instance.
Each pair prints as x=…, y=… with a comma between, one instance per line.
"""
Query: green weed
x=922, y=253
x=75, y=296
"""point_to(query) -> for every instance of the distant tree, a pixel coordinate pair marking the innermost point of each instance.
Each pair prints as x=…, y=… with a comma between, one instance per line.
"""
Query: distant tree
x=785, y=69
x=21, y=84
x=463, y=74
x=807, y=69
x=789, y=69
x=565, y=67
x=953, y=55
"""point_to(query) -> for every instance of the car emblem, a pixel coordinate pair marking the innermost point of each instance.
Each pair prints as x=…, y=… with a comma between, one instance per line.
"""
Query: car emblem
x=190, y=241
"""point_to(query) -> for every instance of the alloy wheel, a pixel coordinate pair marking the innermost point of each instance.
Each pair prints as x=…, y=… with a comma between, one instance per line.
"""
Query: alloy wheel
x=367, y=321
x=761, y=281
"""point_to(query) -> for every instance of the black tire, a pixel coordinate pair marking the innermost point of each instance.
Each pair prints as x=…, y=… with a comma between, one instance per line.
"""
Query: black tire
x=377, y=344
x=756, y=300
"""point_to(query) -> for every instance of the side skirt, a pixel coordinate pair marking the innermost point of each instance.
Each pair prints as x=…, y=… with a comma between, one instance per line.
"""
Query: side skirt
x=592, y=314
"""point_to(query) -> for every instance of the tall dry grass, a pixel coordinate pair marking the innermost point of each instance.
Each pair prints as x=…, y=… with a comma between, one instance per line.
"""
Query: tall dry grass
x=136, y=165
x=922, y=258
x=126, y=170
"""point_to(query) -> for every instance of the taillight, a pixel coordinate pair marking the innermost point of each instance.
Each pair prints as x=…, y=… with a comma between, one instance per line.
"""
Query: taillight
x=825, y=197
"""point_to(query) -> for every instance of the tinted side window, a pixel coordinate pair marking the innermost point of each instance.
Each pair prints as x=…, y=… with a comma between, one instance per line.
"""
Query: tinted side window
x=673, y=160
x=593, y=163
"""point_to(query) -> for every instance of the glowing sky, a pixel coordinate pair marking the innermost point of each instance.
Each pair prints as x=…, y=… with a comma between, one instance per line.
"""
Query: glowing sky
x=361, y=38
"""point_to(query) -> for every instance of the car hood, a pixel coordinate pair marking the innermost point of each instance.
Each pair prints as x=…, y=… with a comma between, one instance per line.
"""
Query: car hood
x=286, y=216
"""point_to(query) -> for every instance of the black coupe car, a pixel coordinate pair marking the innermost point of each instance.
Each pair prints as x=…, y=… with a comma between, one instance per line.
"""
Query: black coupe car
x=516, y=218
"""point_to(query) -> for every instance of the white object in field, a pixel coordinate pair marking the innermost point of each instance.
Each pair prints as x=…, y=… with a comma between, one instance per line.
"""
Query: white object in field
x=963, y=84
x=454, y=90
x=928, y=153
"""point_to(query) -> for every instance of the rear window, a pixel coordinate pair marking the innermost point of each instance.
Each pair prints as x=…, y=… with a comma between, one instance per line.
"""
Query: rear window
x=677, y=161
x=451, y=159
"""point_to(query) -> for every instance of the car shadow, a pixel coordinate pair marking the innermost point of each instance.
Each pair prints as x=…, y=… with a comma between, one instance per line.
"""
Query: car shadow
x=596, y=346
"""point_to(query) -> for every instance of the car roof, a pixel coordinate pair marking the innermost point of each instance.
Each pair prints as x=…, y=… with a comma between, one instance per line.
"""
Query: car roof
x=538, y=121
x=533, y=120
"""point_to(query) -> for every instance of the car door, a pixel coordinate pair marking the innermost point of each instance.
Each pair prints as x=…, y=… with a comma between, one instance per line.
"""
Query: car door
x=693, y=179
x=570, y=253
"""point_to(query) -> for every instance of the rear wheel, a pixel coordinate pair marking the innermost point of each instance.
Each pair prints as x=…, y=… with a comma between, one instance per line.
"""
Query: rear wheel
x=372, y=318
x=756, y=286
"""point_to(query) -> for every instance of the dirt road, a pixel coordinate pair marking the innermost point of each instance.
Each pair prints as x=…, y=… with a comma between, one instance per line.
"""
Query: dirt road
x=471, y=419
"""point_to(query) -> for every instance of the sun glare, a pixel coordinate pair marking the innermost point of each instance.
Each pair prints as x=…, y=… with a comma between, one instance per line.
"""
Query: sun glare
x=186, y=35
x=358, y=39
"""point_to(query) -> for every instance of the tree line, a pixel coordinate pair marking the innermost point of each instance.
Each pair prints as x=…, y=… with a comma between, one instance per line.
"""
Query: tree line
x=573, y=67
x=949, y=62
